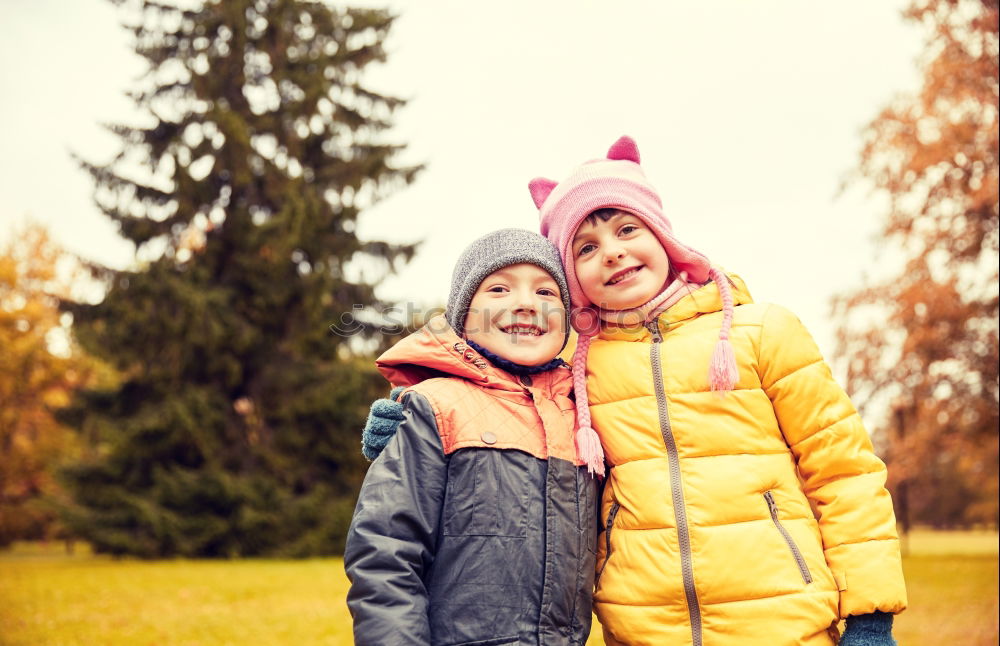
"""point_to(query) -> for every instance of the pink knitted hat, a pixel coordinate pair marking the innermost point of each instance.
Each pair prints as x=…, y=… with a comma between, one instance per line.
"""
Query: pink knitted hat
x=618, y=182
x=615, y=182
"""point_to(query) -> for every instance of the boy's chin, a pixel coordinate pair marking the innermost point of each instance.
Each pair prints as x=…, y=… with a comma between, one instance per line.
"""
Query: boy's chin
x=525, y=357
x=531, y=361
x=522, y=353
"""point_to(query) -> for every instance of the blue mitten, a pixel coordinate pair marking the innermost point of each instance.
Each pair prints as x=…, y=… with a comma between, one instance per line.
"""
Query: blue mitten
x=381, y=425
x=874, y=629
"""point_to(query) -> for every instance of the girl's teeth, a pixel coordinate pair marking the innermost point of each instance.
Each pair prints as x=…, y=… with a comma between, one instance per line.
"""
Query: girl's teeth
x=623, y=277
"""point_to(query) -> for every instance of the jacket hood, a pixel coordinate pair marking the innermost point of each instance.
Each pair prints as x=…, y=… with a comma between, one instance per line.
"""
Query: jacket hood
x=436, y=351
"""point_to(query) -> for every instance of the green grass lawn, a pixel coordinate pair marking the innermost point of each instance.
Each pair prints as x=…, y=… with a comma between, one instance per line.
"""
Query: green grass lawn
x=50, y=598
x=951, y=582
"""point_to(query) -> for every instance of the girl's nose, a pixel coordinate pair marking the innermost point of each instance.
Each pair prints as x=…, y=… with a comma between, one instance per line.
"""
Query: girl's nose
x=613, y=254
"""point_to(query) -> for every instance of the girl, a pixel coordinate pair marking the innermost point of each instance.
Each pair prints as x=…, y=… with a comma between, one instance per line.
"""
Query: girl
x=744, y=503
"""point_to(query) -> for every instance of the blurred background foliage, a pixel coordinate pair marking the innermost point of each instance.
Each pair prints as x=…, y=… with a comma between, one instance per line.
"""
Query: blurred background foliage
x=40, y=369
x=920, y=342
x=202, y=406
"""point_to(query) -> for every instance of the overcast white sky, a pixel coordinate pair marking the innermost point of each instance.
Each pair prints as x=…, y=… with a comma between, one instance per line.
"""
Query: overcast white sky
x=747, y=115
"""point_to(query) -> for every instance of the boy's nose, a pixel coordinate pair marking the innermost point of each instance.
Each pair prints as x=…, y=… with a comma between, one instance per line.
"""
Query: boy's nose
x=525, y=301
x=525, y=306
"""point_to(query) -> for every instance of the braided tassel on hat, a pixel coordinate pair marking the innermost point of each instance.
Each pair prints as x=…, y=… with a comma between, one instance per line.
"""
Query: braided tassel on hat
x=588, y=444
x=722, y=371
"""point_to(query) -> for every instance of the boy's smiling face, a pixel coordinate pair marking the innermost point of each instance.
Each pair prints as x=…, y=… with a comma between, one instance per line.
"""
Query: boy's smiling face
x=517, y=313
x=619, y=261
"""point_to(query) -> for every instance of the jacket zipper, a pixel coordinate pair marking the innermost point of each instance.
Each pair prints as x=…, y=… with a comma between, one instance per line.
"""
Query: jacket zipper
x=676, y=485
x=607, y=540
x=801, y=562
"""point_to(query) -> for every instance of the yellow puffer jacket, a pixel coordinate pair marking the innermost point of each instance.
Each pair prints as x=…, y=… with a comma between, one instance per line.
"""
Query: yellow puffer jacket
x=758, y=517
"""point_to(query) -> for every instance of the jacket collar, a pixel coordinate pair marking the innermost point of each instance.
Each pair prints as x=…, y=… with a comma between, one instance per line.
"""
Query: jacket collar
x=703, y=300
x=436, y=351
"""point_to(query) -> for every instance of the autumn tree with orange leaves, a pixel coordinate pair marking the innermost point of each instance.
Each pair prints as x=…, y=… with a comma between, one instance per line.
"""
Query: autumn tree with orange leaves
x=38, y=370
x=920, y=344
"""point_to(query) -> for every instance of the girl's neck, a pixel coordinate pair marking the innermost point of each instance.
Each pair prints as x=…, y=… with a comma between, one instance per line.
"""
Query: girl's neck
x=511, y=367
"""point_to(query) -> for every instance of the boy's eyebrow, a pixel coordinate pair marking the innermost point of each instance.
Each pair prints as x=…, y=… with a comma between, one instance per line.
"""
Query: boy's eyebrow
x=546, y=280
x=541, y=278
x=504, y=273
x=500, y=273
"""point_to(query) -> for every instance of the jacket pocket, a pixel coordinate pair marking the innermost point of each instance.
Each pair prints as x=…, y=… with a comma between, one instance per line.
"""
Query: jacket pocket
x=772, y=508
x=607, y=540
x=487, y=493
x=496, y=641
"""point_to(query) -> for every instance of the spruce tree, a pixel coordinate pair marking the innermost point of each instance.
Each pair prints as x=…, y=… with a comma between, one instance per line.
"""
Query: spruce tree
x=233, y=430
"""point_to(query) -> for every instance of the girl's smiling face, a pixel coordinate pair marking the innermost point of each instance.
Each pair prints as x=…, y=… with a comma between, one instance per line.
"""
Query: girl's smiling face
x=619, y=261
x=517, y=313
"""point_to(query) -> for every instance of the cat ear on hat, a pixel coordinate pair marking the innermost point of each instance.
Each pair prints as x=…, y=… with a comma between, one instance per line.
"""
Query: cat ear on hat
x=624, y=149
x=540, y=188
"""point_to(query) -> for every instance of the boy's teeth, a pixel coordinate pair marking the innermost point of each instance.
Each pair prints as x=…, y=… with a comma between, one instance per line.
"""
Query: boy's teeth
x=522, y=330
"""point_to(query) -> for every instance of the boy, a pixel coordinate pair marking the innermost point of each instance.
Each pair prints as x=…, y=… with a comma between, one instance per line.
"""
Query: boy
x=476, y=524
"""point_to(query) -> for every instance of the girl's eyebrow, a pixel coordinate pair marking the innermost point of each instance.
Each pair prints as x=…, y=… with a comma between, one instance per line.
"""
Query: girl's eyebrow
x=624, y=215
x=580, y=235
x=583, y=235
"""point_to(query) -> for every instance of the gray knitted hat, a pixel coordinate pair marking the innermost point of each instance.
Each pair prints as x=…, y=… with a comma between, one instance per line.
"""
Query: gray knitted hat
x=493, y=252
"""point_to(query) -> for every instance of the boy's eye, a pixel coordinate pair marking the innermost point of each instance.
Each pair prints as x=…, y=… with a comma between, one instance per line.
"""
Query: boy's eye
x=545, y=291
x=497, y=289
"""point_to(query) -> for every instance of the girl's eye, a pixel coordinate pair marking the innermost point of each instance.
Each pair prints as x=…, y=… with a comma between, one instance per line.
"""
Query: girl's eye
x=629, y=228
x=585, y=249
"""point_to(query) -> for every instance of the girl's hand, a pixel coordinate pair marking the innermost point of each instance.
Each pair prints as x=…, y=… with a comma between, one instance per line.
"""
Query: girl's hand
x=874, y=629
x=381, y=425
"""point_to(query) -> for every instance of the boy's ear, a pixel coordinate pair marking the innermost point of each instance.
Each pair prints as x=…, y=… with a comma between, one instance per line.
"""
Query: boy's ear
x=625, y=148
x=540, y=188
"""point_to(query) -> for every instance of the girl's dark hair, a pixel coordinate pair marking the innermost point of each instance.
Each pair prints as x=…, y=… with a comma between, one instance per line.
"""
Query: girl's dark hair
x=600, y=214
